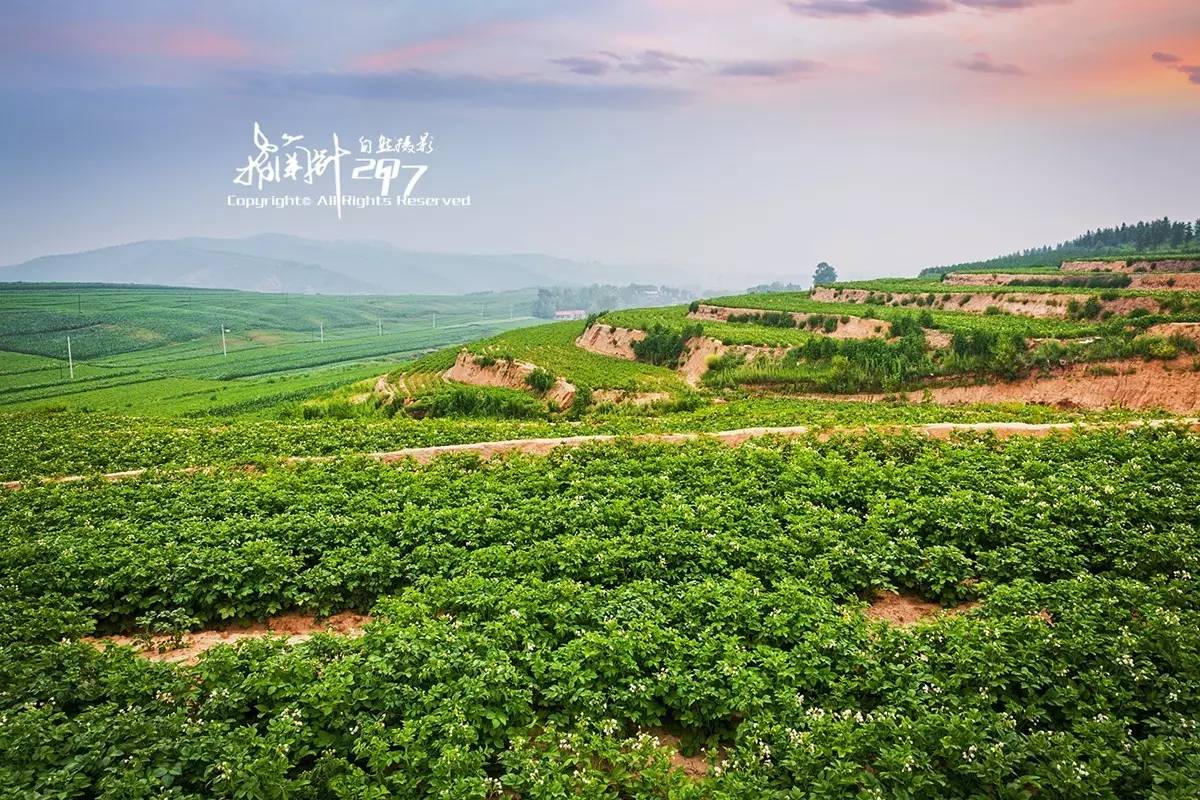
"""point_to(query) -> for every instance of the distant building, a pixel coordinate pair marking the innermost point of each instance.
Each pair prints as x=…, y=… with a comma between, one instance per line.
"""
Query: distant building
x=573, y=313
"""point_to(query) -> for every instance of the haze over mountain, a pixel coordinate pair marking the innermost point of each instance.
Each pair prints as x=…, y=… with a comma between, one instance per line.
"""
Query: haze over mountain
x=279, y=263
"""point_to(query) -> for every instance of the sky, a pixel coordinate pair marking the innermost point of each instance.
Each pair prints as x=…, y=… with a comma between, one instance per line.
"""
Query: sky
x=739, y=139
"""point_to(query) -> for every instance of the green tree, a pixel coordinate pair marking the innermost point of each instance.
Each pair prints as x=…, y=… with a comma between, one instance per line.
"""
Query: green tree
x=825, y=274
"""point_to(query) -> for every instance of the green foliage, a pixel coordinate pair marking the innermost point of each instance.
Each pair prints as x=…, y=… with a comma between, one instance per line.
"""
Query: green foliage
x=824, y=364
x=540, y=380
x=1162, y=238
x=663, y=346
x=552, y=347
x=824, y=275
x=675, y=318
x=951, y=321
x=1089, y=309
x=57, y=443
x=478, y=401
x=771, y=319
x=158, y=350
x=1103, y=281
x=538, y=622
x=911, y=324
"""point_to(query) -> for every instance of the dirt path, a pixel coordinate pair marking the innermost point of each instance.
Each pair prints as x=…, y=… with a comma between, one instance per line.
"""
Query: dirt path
x=542, y=447
x=293, y=627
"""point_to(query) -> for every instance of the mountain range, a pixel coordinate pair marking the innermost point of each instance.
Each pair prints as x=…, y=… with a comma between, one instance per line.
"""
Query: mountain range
x=280, y=263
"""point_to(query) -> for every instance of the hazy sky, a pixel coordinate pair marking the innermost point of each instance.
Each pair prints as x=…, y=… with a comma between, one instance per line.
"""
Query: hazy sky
x=750, y=138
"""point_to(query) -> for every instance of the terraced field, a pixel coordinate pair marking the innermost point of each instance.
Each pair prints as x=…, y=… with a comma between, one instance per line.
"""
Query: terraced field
x=149, y=350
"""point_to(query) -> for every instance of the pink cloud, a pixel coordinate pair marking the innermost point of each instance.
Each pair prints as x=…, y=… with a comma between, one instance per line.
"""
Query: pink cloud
x=417, y=54
x=1172, y=61
x=140, y=40
x=983, y=62
x=184, y=43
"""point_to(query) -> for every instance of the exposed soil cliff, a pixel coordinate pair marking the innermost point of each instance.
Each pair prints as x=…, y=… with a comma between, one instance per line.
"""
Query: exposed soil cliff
x=1172, y=386
x=700, y=349
x=1187, y=281
x=1140, y=265
x=609, y=340
x=1190, y=330
x=505, y=373
x=848, y=327
x=1029, y=304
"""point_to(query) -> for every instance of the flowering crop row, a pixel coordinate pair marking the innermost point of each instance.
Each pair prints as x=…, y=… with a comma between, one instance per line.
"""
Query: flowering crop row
x=542, y=624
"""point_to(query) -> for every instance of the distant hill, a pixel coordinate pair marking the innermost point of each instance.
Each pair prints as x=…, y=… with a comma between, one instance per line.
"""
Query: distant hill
x=278, y=263
x=1160, y=236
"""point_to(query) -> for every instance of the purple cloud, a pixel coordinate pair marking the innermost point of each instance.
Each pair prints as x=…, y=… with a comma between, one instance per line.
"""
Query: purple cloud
x=581, y=65
x=781, y=69
x=982, y=62
x=863, y=8
x=1192, y=72
x=418, y=86
x=1009, y=5
x=906, y=8
x=1172, y=61
x=658, y=62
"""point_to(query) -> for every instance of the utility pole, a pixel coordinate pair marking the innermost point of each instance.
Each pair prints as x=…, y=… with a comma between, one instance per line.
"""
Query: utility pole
x=381, y=326
x=224, y=349
x=322, y=330
x=435, y=319
x=70, y=360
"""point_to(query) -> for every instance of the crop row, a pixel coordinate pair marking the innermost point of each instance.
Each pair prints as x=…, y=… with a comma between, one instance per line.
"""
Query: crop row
x=949, y=321
x=40, y=444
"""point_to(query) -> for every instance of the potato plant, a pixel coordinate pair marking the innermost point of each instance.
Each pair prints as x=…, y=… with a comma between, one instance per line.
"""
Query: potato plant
x=547, y=627
x=46, y=445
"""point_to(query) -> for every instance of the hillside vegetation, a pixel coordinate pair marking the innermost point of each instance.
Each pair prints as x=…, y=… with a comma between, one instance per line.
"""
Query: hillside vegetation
x=159, y=350
x=1163, y=237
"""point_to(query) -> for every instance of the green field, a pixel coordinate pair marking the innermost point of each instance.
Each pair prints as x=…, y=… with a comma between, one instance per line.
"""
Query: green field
x=566, y=626
x=675, y=317
x=150, y=350
x=552, y=347
x=40, y=444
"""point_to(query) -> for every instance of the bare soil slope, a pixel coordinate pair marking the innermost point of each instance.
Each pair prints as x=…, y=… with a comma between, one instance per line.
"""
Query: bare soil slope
x=1171, y=386
x=1028, y=304
x=505, y=373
